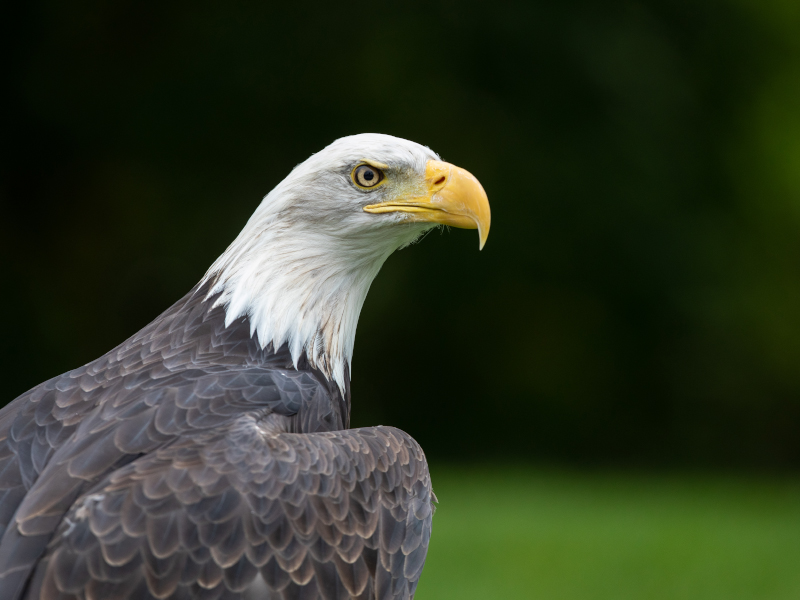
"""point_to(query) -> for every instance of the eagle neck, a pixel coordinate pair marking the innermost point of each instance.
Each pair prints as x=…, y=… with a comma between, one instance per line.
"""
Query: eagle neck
x=304, y=295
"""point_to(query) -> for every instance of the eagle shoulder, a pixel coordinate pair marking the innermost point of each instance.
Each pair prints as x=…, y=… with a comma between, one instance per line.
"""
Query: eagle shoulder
x=184, y=373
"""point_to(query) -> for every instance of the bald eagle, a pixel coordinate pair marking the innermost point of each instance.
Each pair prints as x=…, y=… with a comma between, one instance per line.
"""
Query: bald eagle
x=209, y=455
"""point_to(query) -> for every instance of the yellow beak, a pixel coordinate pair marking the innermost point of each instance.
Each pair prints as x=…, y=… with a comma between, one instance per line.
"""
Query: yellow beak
x=454, y=197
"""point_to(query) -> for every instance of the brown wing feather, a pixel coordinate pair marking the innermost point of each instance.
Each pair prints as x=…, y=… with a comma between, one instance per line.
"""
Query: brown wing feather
x=183, y=374
x=246, y=513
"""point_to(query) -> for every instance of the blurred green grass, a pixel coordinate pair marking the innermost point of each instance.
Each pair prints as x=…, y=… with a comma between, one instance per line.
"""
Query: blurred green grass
x=525, y=533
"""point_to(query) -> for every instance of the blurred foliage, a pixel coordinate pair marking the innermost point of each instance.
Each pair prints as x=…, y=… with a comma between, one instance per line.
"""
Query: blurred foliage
x=638, y=301
x=522, y=534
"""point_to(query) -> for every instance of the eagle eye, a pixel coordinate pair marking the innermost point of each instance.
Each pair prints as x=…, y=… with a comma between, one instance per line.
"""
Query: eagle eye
x=367, y=176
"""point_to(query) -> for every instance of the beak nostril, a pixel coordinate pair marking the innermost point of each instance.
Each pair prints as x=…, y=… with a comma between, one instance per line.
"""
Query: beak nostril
x=439, y=181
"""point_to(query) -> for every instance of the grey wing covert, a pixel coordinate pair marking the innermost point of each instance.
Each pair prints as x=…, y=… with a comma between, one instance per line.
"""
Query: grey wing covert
x=333, y=515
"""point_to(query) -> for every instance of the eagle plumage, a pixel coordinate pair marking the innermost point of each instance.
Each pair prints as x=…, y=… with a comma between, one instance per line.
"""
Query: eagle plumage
x=199, y=461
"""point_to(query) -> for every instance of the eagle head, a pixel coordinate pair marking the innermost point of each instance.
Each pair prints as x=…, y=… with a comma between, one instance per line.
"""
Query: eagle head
x=302, y=266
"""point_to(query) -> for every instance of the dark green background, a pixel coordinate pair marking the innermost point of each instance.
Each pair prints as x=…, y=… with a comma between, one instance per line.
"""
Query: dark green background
x=638, y=301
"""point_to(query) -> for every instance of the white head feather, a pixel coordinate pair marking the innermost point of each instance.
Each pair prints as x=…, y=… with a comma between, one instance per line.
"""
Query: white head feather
x=302, y=266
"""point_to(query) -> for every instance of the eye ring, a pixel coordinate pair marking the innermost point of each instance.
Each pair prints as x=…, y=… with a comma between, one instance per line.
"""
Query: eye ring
x=367, y=176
